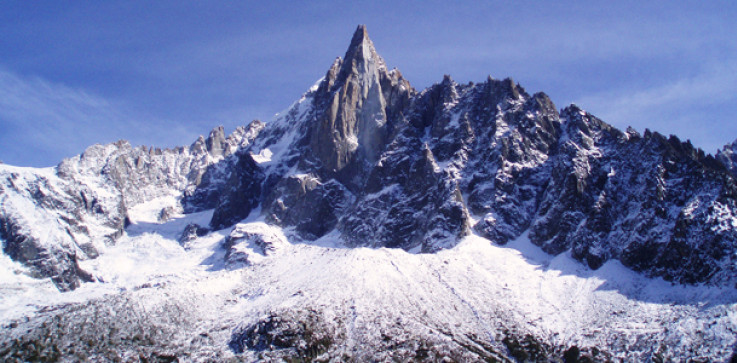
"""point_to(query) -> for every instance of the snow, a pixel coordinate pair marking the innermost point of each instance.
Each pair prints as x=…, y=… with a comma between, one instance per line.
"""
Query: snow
x=264, y=156
x=149, y=212
x=17, y=184
x=476, y=286
x=454, y=117
x=286, y=126
x=148, y=253
x=46, y=172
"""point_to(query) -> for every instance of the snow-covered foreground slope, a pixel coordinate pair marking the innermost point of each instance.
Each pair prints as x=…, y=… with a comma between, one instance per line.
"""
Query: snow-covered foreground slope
x=157, y=299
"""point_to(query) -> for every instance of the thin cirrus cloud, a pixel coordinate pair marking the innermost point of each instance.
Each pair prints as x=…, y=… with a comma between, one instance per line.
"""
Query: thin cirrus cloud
x=678, y=105
x=42, y=121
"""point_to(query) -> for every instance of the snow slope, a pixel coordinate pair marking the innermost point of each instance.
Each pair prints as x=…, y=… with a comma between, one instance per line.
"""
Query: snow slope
x=372, y=303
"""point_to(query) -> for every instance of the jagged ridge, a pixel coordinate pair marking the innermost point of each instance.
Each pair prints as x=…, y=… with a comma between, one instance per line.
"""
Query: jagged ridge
x=423, y=170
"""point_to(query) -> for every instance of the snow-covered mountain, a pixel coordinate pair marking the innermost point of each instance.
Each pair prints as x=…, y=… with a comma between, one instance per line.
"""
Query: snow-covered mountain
x=498, y=228
x=52, y=218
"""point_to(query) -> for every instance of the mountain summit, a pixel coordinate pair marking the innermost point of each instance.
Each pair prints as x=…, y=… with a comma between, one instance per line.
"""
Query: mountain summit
x=357, y=106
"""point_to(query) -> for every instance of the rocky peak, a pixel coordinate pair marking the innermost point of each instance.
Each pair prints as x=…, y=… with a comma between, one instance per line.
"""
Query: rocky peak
x=361, y=56
x=503, y=92
x=215, y=142
x=199, y=146
x=728, y=156
x=579, y=120
x=360, y=61
x=356, y=107
x=448, y=93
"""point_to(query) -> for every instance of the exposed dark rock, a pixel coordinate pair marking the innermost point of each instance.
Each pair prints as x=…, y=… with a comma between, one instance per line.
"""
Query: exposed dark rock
x=206, y=183
x=246, y=240
x=191, y=232
x=61, y=266
x=166, y=213
x=728, y=157
x=526, y=348
x=656, y=213
x=310, y=205
x=240, y=194
x=295, y=336
x=571, y=355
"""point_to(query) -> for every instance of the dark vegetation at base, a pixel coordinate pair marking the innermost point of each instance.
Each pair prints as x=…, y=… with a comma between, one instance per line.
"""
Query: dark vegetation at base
x=107, y=330
x=294, y=337
x=305, y=336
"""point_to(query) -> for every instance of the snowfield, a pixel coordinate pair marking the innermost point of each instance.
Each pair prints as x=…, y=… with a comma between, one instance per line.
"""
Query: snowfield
x=366, y=303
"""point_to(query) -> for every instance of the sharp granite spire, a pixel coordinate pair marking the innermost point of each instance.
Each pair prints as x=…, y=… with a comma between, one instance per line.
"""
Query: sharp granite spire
x=356, y=106
x=361, y=55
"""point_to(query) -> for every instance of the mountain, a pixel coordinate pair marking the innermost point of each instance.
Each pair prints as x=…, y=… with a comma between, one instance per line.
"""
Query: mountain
x=387, y=166
x=491, y=216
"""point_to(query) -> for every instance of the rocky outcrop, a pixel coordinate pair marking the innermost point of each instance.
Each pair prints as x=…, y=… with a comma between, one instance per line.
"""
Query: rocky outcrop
x=357, y=106
x=311, y=206
x=210, y=177
x=249, y=243
x=191, y=232
x=728, y=156
x=669, y=212
x=240, y=194
x=49, y=223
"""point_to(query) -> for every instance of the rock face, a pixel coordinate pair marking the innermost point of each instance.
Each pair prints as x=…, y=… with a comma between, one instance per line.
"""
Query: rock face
x=365, y=156
x=669, y=211
x=357, y=106
x=728, y=157
x=240, y=194
x=249, y=243
x=191, y=232
x=49, y=223
x=311, y=206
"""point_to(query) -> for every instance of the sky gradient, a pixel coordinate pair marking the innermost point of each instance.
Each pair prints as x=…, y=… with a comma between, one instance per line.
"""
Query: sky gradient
x=162, y=73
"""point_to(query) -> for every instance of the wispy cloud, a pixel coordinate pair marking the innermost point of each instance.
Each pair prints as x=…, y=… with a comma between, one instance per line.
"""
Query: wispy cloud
x=676, y=107
x=42, y=120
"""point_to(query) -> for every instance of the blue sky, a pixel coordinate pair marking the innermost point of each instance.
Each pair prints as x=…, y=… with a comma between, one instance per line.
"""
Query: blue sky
x=73, y=74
